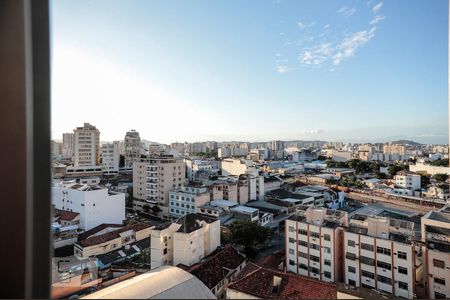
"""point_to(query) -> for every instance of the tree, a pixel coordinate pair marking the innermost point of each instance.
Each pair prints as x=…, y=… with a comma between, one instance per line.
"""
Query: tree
x=156, y=209
x=248, y=234
x=396, y=168
x=440, y=162
x=441, y=177
x=424, y=180
x=146, y=208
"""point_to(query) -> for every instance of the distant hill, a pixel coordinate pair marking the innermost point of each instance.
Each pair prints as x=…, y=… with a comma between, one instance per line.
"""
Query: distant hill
x=406, y=142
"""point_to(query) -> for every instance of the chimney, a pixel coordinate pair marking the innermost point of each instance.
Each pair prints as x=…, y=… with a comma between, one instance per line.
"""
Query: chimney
x=276, y=284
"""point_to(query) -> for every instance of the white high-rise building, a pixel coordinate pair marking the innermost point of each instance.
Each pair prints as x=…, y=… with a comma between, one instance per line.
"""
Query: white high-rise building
x=96, y=205
x=68, y=145
x=132, y=147
x=86, y=146
x=110, y=158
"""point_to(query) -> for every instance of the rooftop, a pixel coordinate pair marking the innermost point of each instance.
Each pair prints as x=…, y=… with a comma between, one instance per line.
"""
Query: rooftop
x=65, y=215
x=258, y=281
x=192, y=222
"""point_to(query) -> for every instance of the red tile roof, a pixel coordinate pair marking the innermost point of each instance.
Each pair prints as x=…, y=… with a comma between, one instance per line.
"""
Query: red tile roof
x=216, y=266
x=65, y=215
x=258, y=281
x=95, y=240
x=271, y=261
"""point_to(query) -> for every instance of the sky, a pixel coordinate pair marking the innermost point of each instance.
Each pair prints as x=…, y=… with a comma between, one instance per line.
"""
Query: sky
x=253, y=70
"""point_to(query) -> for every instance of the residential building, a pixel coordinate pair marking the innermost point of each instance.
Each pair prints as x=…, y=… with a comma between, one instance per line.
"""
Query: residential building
x=186, y=241
x=380, y=254
x=154, y=178
x=314, y=239
x=132, y=147
x=86, y=146
x=105, y=238
x=65, y=228
x=437, y=192
x=110, y=158
x=256, y=282
x=95, y=204
x=68, y=145
x=185, y=200
x=337, y=155
x=435, y=231
x=408, y=180
x=235, y=166
x=394, y=149
x=218, y=269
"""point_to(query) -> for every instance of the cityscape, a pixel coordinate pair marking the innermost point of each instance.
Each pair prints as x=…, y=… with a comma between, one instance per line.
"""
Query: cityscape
x=252, y=149
x=276, y=219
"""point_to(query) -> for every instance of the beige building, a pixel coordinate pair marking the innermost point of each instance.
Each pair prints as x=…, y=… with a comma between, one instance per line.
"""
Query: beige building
x=394, y=149
x=436, y=252
x=132, y=147
x=86, y=146
x=186, y=241
x=314, y=243
x=154, y=178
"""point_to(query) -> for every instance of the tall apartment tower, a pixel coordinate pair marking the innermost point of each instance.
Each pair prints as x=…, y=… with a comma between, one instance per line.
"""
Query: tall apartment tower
x=132, y=145
x=68, y=146
x=110, y=158
x=86, y=146
x=154, y=177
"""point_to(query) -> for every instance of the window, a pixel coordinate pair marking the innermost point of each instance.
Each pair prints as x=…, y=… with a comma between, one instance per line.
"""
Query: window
x=351, y=243
x=352, y=282
x=403, y=270
x=165, y=251
x=314, y=270
x=291, y=240
x=327, y=237
x=351, y=256
x=291, y=251
x=314, y=234
x=302, y=254
x=367, y=247
x=303, y=266
x=401, y=255
x=291, y=229
x=384, y=280
x=291, y=262
x=383, y=265
x=367, y=260
x=327, y=274
x=303, y=232
x=439, y=296
x=439, y=280
x=351, y=269
x=439, y=263
x=367, y=274
x=327, y=262
x=314, y=258
x=314, y=246
x=303, y=243
x=327, y=249
x=384, y=251
x=402, y=285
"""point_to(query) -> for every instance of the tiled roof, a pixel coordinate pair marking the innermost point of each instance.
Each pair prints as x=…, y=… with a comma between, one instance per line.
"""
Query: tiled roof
x=215, y=267
x=65, y=215
x=95, y=240
x=258, y=281
x=271, y=261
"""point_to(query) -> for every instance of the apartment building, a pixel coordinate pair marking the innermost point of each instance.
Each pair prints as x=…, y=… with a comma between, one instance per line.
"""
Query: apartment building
x=154, y=178
x=86, y=146
x=110, y=158
x=132, y=147
x=408, y=180
x=394, y=149
x=236, y=167
x=95, y=204
x=185, y=200
x=105, y=238
x=185, y=241
x=314, y=243
x=380, y=254
x=68, y=145
x=435, y=230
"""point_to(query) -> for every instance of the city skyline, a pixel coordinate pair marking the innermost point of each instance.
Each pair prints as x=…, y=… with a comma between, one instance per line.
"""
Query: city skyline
x=273, y=70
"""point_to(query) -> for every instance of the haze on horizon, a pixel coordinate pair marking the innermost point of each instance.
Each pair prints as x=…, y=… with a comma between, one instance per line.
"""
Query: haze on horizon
x=251, y=70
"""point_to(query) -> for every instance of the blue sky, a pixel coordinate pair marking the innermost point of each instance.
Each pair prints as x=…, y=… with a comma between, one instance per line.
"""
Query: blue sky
x=251, y=70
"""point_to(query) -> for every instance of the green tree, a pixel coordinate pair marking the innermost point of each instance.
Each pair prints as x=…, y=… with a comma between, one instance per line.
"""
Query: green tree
x=156, y=209
x=440, y=162
x=248, y=234
x=392, y=170
x=424, y=180
x=441, y=177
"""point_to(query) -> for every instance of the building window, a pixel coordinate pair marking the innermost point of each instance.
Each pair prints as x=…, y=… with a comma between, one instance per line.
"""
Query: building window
x=314, y=234
x=439, y=296
x=367, y=247
x=439, y=280
x=351, y=256
x=314, y=258
x=291, y=251
x=352, y=282
x=303, y=243
x=291, y=240
x=327, y=237
x=291, y=229
x=327, y=274
x=351, y=269
x=384, y=280
x=165, y=251
x=383, y=265
x=291, y=262
x=303, y=266
x=367, y=274
x=439, y=263
x=401, y=255
x=327, y=262
x=402, y=285
x=327, y=249
x=314, y=246
x=303, y=232
x=314, y=270
x=384, y=251
x=302, y=254
x=351, y=243
x=403, y=270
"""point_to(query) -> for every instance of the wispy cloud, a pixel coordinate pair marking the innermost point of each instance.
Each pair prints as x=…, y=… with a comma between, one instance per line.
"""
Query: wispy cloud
x=377, y=19
x=351, y=43
x=312, y=131
x=283, y=69
x=303, y=25
x=377, y=7
x=347, y=11
x=316, y=55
